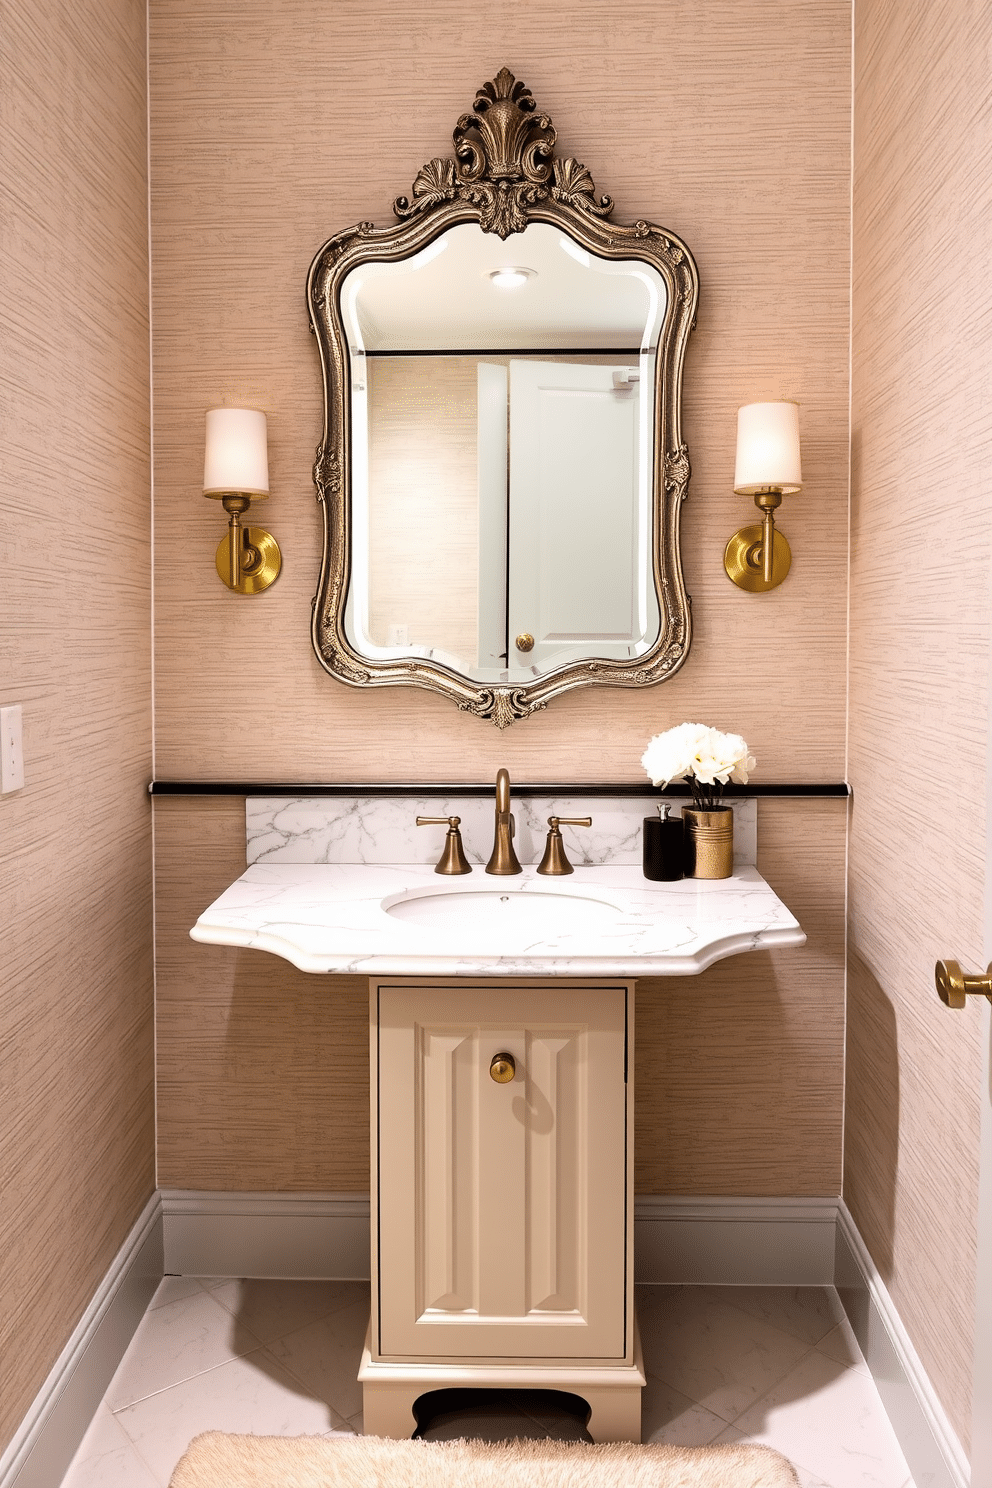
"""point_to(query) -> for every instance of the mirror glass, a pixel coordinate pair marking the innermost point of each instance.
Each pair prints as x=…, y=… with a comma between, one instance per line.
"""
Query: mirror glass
x=501, y=417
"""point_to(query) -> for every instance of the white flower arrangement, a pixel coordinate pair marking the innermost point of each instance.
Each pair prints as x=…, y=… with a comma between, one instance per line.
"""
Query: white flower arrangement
x=703, y=756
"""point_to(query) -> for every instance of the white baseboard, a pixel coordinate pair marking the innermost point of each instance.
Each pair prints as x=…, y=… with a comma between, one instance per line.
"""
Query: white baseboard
x=705, y=1241
x=46, y=1441
x=752, y=1242
x=929, y=1443
x=291, y=1236
x=735, y=1242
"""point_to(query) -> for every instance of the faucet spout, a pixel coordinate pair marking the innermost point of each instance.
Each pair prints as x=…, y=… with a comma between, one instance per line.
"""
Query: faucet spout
x=504, y=860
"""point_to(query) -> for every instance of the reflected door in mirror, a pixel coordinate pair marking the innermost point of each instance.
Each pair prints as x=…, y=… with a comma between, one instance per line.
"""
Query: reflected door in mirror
x=579, y=519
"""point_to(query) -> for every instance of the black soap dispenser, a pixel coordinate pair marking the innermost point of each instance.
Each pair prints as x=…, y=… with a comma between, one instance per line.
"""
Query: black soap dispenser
x=663, y=845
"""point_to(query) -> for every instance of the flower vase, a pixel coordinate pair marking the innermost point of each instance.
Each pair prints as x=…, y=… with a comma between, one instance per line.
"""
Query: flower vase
x=709, y=842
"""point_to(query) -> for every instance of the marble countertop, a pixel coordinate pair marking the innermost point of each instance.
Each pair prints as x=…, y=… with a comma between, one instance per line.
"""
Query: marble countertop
x=329, y=917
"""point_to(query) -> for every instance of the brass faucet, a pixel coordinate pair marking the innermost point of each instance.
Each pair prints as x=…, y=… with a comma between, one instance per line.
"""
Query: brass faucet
x=504, y=860
x=453, y=859
x=554, y=863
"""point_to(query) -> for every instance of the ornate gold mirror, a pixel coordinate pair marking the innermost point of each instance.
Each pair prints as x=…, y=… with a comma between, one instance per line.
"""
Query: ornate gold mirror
x=502, y=470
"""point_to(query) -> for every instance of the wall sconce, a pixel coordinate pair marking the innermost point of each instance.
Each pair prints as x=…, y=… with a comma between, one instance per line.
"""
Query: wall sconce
x=236, y=472
x=768, y=468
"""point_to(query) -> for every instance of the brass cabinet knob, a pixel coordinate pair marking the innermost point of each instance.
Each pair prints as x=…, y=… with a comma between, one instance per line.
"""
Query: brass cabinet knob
x=954, y=987
x=503, y=1068
x=525, y=641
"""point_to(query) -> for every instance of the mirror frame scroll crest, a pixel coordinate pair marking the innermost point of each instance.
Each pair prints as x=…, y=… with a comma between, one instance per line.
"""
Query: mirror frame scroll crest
x=503, y=175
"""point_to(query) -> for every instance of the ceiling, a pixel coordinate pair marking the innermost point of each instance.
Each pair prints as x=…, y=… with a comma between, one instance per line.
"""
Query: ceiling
x=444, y=299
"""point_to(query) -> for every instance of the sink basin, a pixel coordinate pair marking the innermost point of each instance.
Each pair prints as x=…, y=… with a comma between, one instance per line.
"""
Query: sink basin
x=504, y=909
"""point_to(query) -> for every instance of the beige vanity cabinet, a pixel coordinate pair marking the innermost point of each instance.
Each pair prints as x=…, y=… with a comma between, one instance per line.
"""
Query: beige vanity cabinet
x=501, y=1208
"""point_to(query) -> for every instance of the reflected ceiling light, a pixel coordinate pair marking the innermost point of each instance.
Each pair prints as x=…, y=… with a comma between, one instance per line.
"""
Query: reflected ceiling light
x=511, y=276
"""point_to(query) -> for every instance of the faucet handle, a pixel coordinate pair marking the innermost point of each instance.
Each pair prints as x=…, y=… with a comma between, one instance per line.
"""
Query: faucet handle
x=453, y=859
x=555, y=863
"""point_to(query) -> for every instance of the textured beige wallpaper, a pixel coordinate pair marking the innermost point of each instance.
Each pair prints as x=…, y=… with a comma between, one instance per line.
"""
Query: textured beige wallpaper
x=922, y=432
x=274, y=130
x=263, y=1069
x=740, y=1070
x=269, y=135
x=424, y=501
x=76, y=1130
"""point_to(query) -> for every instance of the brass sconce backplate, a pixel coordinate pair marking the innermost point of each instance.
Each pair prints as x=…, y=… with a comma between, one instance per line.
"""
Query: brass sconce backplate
x=743, y=559
x=256, y=573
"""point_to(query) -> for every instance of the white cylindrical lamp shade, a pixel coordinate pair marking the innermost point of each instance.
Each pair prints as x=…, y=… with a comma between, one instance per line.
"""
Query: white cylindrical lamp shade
x=237, y=456
x=768, y=449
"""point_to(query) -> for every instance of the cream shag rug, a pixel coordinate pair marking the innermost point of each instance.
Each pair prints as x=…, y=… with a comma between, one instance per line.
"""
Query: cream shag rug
x=215, y=1460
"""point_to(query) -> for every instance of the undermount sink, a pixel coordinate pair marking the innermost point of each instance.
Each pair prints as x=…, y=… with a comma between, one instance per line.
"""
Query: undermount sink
x=506, y=908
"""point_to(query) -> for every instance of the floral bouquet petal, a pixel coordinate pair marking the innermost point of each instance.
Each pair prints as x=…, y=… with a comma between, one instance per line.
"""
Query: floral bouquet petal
x=706, y=758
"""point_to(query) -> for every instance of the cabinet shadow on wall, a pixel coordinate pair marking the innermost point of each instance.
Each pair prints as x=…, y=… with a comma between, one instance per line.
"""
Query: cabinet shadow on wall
x=739, y=1075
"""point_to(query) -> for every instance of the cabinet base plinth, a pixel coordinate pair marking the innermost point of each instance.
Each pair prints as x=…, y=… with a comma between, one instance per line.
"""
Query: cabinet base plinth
x=612, y=1394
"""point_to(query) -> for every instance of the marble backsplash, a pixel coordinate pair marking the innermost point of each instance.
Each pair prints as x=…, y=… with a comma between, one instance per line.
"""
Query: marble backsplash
x=382, y=829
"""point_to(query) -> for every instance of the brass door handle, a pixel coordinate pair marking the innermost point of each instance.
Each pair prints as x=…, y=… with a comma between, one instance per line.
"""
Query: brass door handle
x=502, y=1068
x=525, y=641
x=954, y=987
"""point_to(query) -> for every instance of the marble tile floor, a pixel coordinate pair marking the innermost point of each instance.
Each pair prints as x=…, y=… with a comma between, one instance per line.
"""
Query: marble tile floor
x=767, y=1364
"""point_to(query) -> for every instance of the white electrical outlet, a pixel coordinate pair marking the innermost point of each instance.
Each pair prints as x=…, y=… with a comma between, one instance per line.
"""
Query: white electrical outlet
x=11, y=750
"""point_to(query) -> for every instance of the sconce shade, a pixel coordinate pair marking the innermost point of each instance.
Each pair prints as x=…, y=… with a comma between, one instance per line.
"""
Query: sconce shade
x=237, y=458
x=768, y=449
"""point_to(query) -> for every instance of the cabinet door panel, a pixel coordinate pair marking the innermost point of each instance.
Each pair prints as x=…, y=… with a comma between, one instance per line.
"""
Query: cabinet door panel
x=450, y=1136
x=552, y=1179
x=501, y=1208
